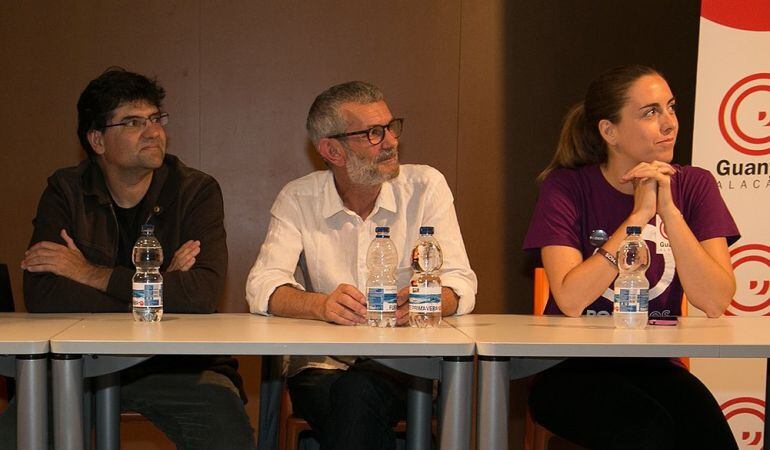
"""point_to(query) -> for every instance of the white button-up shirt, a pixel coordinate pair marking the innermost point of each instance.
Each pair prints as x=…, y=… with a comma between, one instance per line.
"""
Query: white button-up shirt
x=308, y=217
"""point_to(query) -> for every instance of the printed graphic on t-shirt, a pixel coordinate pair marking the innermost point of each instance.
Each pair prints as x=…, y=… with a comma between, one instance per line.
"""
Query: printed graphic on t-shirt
x=659, y=241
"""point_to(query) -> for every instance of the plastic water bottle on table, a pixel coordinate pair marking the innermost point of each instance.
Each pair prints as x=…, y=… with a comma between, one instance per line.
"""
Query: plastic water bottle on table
x=147, y=286
x=381, y=289
x=425, y=285
x=632, y=290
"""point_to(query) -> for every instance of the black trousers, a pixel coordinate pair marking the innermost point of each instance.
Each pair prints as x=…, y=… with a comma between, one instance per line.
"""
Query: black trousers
x=629, y=403
x=351, y=409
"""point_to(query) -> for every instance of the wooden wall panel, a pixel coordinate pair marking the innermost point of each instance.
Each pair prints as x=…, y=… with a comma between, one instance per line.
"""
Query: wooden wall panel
x=51, y=50
x=264, y=63
x=483, y=85
x=482, y=173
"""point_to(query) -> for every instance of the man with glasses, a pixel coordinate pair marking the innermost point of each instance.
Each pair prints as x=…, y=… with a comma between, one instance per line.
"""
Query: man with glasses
x=80, y=255
x=326, y=221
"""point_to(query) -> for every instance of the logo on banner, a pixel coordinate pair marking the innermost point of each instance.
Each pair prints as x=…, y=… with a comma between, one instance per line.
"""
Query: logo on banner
x=752, y=294
x=746, y=416
x=743, y=115
x=744, y=122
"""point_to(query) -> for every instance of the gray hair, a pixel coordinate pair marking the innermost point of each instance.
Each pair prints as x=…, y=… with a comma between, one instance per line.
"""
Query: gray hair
x=325, y=119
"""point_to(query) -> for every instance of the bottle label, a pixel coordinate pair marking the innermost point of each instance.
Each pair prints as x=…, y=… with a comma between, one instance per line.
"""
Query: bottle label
x=381, y=299
x=424, y=300
x=147, y=295
x=631, y=300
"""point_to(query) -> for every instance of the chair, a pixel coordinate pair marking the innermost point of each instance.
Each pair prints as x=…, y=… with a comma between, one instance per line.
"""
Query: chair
x=6, y=294
x=7, y=385
x=536, y=436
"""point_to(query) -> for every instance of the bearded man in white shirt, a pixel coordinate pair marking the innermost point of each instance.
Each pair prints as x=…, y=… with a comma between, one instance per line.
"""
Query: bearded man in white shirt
x=327, y=219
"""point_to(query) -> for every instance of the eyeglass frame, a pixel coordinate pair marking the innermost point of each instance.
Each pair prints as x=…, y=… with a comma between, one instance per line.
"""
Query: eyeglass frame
x=368, y=131
x=157, y=118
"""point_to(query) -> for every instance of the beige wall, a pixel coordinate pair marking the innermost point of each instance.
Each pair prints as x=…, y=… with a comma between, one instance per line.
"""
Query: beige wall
x=240, y=77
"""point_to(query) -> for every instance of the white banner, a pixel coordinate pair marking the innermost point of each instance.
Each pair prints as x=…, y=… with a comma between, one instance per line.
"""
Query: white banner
x=732, y=140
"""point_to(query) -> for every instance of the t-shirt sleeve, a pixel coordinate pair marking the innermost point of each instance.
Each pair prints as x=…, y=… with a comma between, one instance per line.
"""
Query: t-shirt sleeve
x=555, y=220
x=706, y=212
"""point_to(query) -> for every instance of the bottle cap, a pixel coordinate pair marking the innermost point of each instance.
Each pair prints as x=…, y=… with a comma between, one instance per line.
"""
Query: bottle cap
x=148, y=228
x=426, y=230
x=633, y=230
x=380, y=230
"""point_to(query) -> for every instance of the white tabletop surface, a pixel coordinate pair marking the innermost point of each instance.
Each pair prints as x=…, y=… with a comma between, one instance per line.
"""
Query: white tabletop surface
x=245, y=334
x=28, y=334
x=558, y=336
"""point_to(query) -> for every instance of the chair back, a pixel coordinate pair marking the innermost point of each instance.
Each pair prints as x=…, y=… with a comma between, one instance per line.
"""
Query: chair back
x=6, y=294
x=541, y=290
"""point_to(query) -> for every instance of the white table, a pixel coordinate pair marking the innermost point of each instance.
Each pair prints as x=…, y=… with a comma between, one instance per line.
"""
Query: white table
x=514, y=346
x=123, y=342
x=24, y=338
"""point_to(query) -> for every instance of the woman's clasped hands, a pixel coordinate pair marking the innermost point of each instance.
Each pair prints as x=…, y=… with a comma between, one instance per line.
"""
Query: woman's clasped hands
x=652, y=189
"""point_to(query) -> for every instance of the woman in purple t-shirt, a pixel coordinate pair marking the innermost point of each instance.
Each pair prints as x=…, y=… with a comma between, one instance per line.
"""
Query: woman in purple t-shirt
x=612, y=170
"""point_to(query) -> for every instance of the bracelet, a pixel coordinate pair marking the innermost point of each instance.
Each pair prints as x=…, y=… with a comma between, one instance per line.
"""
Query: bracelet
x=608, y=256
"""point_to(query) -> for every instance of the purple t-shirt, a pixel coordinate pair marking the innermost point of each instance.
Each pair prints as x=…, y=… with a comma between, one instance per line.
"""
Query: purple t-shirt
x=574, y=202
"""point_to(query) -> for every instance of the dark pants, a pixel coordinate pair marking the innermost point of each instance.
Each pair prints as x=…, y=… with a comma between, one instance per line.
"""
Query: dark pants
x=353, y=409
x=195, y=410
x=629, y=404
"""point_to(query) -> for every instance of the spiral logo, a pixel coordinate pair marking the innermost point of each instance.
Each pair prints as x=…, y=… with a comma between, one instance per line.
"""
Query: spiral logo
x=751, y=264
x=746, y=416
x=744, y=115
x=662, y=229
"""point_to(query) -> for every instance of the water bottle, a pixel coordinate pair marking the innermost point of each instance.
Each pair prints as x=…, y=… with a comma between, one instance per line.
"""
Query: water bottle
x=632, y=290
x=381, y=290
x=425, y=286
x=147, y=289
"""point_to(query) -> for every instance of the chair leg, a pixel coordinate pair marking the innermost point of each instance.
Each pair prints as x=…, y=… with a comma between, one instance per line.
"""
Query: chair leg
x=294, y=427
x=529, y=432
x=536, y=436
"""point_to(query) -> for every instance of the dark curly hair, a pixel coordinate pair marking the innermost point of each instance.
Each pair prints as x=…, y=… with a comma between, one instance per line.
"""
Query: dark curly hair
x=113, y=87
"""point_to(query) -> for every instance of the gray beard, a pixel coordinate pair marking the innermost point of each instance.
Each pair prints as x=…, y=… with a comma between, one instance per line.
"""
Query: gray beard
x=366, y=173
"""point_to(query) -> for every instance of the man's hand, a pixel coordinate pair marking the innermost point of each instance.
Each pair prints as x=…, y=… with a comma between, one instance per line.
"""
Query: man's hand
x=184, y=257
x=65, y=261
x=346, y=305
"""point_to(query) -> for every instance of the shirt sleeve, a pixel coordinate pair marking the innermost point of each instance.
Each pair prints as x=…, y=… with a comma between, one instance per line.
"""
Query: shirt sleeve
x=197, y=290
x=278, y=257
x=555, y=220
x=456, y=271
x=45, y=292
x=706, y=212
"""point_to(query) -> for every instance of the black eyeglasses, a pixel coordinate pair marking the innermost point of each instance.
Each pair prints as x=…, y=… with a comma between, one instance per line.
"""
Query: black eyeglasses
x=376, y=134
x=139, y=123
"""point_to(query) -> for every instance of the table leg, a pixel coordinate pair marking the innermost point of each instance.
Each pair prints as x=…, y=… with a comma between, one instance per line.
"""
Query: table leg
x=419, y=404
x=67, y=401
x=32, y=401
x=108, y=412
x=455, y=403
x=492, y=403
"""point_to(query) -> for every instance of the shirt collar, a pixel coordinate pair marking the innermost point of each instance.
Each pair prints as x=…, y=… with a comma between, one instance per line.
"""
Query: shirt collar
x=332, y=202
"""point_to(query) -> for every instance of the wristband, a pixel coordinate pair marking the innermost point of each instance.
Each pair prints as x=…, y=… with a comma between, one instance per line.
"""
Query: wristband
x=608, y=256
